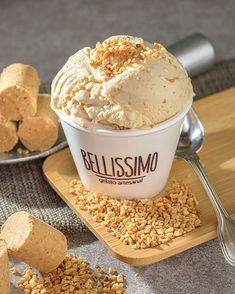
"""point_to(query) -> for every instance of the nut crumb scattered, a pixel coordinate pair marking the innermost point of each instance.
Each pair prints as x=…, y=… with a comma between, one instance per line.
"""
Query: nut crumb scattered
x=111, y=270
x=73, y=276
x=142, y=223
x=13, y=270
x=22, y=151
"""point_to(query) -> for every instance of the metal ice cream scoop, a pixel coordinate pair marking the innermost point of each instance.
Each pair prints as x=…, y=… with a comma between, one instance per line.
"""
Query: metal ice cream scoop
x=195, y=52
x=191, y=140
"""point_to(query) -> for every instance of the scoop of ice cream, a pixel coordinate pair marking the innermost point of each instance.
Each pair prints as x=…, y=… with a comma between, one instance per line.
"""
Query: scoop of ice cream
x=123, y=83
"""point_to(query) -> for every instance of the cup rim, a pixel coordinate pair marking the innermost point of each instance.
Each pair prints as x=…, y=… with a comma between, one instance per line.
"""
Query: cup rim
x=129, y=133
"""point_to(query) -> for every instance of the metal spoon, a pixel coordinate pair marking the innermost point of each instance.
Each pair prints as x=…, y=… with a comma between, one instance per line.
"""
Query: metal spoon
x=191, y=140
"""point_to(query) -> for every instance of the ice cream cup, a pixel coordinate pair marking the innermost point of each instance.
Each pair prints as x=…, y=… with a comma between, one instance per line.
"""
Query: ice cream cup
x=127, y=163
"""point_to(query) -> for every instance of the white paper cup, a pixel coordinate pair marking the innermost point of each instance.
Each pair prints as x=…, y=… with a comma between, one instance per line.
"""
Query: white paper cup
x=128, y=163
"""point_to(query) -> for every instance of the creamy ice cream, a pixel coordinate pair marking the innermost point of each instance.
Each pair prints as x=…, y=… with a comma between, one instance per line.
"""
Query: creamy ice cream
x=123, y=83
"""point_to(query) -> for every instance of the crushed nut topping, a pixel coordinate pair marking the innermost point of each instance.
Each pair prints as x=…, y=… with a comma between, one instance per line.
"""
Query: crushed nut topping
x=142, y=223
x=114, y=55
x=73, y=276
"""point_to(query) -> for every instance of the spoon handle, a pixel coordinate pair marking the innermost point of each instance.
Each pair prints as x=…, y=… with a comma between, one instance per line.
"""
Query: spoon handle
x=221, y=213
x=225, y=228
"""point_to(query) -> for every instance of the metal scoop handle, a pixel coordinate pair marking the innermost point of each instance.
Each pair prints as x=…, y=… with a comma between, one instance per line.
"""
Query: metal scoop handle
x=195, y=52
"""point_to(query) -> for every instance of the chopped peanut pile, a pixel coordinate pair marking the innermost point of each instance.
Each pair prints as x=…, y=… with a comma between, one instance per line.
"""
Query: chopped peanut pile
x=73, y=276
x=142, y=223
x=114, y=55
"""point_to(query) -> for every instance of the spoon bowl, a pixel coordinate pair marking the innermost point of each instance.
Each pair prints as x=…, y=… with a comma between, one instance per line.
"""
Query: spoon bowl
x=192, y=135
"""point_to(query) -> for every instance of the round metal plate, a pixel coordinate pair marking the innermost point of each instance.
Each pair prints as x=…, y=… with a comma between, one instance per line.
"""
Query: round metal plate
x=14, y=157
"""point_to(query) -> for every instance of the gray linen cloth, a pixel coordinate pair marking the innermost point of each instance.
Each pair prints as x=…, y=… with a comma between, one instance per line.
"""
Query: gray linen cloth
x=23, y=187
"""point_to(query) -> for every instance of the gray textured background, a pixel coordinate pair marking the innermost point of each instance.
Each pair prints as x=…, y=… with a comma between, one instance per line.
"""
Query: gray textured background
x=44, y=33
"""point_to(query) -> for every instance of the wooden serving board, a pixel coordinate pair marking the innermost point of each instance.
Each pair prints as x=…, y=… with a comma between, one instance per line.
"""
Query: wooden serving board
x=217, y=113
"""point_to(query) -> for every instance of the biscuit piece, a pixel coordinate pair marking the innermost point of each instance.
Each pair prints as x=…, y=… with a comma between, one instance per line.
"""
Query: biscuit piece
x=19, y=86
x=40, y=132
x=8, y=135
x=4, y=270
x=34, y=242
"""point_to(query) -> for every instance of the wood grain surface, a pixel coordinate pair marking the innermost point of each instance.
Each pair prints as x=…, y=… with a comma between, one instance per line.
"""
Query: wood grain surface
x=217, y=113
